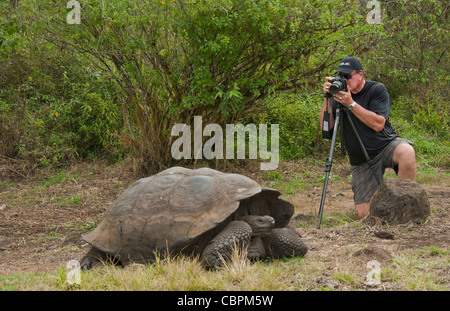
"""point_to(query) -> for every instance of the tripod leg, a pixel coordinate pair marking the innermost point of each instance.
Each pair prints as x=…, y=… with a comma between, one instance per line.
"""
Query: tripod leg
x=322, y=202
x=328, y=164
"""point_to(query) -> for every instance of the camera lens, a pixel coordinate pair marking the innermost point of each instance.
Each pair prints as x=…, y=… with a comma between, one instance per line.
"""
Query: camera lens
x=336, y=87
x=338, y=84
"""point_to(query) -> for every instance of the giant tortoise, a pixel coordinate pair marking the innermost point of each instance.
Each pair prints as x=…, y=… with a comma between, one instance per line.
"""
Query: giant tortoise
x=202, y=211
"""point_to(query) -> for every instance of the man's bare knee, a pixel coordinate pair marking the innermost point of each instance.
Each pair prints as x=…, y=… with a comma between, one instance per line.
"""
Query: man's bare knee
x=405, y=158
x=362, y=210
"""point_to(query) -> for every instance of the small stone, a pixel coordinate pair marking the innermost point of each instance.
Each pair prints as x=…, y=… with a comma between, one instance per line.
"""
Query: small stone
x=384, y=235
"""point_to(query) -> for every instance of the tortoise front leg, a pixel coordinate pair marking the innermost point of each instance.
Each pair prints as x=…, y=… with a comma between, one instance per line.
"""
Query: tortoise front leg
x=284, y=242
x=93, y=258
x=236, y=234
x=256, y=249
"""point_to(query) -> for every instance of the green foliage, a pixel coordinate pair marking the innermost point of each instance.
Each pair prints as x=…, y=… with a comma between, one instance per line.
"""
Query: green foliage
x=73, y=200
x=298, y=117
x=78, y=121
x=428, y=131
x=133, y=68
x=53, y=106
x=414, y=52
x=218, y=59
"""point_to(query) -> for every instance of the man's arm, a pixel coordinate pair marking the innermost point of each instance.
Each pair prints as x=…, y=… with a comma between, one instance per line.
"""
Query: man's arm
x=369, y=118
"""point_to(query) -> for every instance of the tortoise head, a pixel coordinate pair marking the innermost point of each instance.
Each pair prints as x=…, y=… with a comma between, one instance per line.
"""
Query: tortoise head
x=261, y=225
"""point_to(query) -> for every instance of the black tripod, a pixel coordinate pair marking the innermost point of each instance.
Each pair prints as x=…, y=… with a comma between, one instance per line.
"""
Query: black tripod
x=329, y=161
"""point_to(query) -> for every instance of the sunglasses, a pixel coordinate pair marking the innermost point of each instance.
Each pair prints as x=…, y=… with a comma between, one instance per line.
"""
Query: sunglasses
x=347, y=76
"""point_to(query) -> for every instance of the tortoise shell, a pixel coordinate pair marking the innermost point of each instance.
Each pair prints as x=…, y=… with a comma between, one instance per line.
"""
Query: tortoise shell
x=180, y=210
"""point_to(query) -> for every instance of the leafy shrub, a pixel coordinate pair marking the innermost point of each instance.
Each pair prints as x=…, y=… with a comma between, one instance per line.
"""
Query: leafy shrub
x=298, y=117
x=82, y=123
x=64, y=88
x=427, y=128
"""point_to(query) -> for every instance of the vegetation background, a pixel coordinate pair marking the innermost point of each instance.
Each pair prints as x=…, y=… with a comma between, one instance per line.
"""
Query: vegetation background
x=115, y=84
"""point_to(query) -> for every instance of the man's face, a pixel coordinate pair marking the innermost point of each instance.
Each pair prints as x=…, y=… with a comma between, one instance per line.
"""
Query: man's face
x=354, y=79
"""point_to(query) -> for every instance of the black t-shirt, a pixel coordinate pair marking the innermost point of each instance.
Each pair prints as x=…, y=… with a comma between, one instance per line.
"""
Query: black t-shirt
x=374, y=97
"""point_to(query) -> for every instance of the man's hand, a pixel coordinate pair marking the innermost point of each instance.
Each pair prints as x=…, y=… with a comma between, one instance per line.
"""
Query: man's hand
x=344, y=98
x=326, y=86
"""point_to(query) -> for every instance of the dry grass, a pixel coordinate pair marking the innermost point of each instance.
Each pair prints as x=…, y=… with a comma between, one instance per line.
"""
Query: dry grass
x=426, y=269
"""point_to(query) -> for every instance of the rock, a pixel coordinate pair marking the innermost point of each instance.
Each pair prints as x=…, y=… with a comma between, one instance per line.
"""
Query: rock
x=384, y=235
x=399, y=201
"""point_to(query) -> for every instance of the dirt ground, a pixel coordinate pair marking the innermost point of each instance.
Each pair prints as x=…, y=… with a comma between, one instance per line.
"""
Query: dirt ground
x=42, y=216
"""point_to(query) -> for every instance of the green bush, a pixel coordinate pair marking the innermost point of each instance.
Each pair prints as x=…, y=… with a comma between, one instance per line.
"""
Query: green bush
x=83, y=123
x=60, y=118
x=426, y=127
x=54, y=106
x=64, y=88
x=298, y=117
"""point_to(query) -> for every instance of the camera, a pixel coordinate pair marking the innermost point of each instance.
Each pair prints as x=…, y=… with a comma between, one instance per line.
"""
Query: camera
x=338, y=84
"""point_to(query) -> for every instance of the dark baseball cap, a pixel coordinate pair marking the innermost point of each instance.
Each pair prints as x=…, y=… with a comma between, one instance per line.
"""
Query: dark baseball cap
x=348, y=64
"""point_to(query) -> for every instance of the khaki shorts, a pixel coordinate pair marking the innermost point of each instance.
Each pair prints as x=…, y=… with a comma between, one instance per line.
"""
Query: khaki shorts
x=364, y=183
